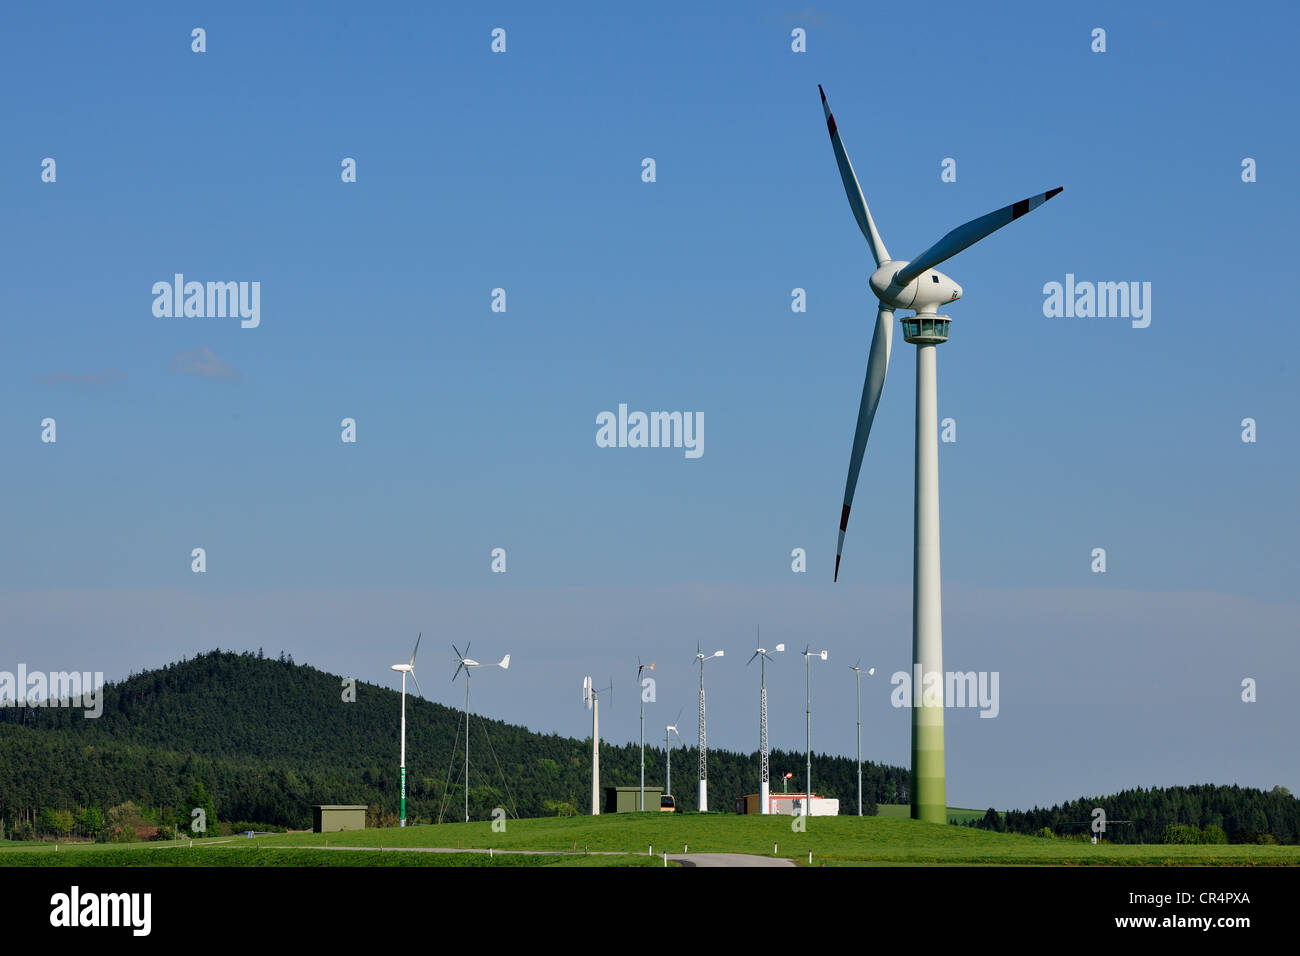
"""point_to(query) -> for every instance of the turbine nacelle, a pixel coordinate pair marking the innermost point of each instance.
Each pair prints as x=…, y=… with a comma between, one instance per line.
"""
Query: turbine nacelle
x=926, y=293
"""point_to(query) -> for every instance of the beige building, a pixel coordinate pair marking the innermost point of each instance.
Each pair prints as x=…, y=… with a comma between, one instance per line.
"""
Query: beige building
x=331, y=817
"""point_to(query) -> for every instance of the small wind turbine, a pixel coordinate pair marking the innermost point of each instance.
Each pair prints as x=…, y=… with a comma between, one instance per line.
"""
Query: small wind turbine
x=857, y=669
x=641, y=690
x=808, y=655
x=761, y=653
x=407, y=669
x=700, y=658
x=591, y=697
x=900, y=284
x=668, y=750
x=465, y=663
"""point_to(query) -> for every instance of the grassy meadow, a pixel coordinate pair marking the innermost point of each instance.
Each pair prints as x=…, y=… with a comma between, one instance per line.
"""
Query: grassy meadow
x=832, y=841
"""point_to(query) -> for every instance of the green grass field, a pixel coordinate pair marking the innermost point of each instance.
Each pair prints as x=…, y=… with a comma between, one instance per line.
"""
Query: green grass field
x=213, y=853
x=833, y=841
x=904, y=811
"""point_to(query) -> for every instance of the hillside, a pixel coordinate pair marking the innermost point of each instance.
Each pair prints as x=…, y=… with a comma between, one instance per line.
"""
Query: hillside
x=269, y=738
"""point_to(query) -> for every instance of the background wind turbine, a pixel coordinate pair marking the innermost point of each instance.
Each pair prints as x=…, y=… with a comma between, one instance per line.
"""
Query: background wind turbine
x=700, y=658
x=466, y=663
x=668, y=750
x=407, y=669
x=900, y=284
x=808, y=655
x=761, y=654
x=591, y=697
x=857, y=669
x=641, y=690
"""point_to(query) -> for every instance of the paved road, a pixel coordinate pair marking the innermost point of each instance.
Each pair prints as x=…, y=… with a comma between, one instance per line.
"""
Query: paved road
x=728, y=859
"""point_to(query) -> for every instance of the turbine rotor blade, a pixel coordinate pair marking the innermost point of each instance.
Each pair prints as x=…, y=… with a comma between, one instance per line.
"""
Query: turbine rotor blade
x=417, y=648
x=857, y=202
x=460, y=666
x=751, y=658
x=417, y=684
x=877, y=365
x=969, y=234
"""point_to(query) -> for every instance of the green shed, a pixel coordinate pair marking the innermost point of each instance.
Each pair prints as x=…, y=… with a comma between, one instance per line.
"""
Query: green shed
x=627, y=799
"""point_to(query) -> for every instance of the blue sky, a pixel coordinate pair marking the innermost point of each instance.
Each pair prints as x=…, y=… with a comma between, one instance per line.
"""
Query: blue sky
x=477, y=429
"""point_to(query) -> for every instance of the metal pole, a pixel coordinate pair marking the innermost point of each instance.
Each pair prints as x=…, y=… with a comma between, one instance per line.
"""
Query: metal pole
x=595, y=754
x=858, y=672
x=668, y=756
x=704, y=750
x=403, y=822
x=807, y=666
x=467, y=673
x=762, y=735
x=642, y=749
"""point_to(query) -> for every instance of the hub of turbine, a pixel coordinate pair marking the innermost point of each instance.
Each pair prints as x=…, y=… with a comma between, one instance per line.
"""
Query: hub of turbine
x=929, y=291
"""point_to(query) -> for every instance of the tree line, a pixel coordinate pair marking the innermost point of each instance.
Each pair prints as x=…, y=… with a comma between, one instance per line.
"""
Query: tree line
x=1202, y=813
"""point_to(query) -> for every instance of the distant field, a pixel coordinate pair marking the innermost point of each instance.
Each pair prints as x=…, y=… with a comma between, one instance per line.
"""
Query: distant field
x=904, y=811
x=834, y=841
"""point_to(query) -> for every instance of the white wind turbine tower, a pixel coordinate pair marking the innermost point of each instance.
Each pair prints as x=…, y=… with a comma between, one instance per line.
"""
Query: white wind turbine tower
x=466, y=663
x=407, y=669
x=761, y=653
x=900, y=284
x=668, y=750
x=700, y=658
x=591, y=697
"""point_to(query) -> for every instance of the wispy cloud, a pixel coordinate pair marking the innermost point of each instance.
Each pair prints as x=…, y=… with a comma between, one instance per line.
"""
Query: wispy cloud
x=106, y=379
x=202, y=363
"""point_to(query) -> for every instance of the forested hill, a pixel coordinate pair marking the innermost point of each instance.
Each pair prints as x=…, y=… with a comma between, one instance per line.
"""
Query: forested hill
x=1203, y=813
x=268, y=738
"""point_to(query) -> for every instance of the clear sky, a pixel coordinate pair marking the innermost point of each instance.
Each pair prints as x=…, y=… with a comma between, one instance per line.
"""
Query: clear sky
x=476, y=429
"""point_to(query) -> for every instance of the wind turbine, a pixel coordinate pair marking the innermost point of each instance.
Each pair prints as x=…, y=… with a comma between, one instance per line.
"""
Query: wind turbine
x=465, y=663
x=700, y=658
x=808, y=655
x=641, y=690
x=857, y=669
x=668, y=750
x=903, y=284
x=761, y=654
x=407, y=669
x=591, y=697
